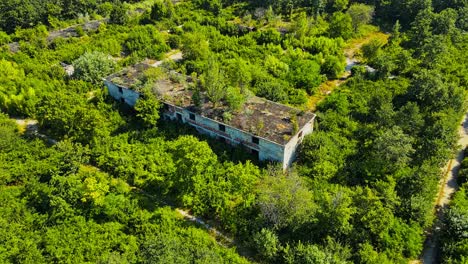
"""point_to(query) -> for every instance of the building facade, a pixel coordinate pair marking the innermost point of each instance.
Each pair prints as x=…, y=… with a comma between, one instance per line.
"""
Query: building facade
x=268, y=147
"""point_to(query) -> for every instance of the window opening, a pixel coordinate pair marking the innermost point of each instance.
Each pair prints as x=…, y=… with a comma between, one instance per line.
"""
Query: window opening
x=255, y=140
x=222, y=128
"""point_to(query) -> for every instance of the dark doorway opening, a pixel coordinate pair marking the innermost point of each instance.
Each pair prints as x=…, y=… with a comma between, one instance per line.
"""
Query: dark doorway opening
x=256, y=154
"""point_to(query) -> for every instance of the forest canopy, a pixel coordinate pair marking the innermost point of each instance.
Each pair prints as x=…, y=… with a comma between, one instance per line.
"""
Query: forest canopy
x=94, y=180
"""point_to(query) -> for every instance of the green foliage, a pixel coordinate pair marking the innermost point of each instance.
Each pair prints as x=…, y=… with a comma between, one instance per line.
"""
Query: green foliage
x=19, y=14
x=93, y=66
x=391, y=147
x=85, y=214
x=172, y=247
x=146, y=42
x=284, y=200
x=174, y=41
x=269, y=35
x=305, y=74
x=213, y=82
x=4, y=38
x=371, y=50
x=276, y=67
x=361, y=192
x=105, y=9
x=267, y=243
x=455, y=242
x=239, y=74
x=338, y=5
x=118, y=15
x=148, y=108
x=234, y=98
x=341, y=26
x=161, y=10
x=195, y=47
x=272, y=90
x=361, y=14
x=308, y=253
x=454, y=232
x=463, y=172
x=212, y=6
x=333, y=66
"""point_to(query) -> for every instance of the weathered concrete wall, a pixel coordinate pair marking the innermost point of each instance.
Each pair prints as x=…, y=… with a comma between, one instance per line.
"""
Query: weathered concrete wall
x=122, y=94
x=267, y=150
x=290, y=151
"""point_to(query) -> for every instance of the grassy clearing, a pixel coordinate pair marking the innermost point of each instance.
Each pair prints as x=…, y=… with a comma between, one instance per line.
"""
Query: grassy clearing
x=353, y=46
x=351, y=51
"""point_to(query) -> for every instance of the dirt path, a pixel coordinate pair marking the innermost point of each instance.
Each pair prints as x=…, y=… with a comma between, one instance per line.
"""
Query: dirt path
x=174, y=55
x=29, y=126
x=447, y=187
x=350, y=52
x=226, y=241
x=222, y=239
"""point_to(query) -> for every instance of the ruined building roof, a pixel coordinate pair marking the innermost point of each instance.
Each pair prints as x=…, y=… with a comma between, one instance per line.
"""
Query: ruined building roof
x=258, y=116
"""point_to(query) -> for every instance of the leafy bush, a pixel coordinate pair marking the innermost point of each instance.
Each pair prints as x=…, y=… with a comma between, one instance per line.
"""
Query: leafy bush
x=93, y=66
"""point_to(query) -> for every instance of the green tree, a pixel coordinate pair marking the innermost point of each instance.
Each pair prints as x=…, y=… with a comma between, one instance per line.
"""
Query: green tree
x=214, y=82
x=360, y=14
x=4, y=38
x=454, y=235
x=105, y=9
x=162, y=9
x=333, y=66
x=195, y=47
x=337, y=5
x=20, y=14
x=276, y=67
x=267, y=243
x=272, y=89
x=371, y=50
x=313, y=254
x=118, y=15
x=148, y=107
x=433, y=93
x=195, y=164
x=146, y=42
x=335, y=212
x=234, y=98
x=301, y=26
x=391, y=151
x=305, y=74
x=239, y=74
x=93, y=66
x=341, y=26
x=284, y=201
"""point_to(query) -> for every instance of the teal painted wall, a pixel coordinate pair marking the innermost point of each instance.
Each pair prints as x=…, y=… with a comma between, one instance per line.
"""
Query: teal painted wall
x=128, y=96
x=267, y=150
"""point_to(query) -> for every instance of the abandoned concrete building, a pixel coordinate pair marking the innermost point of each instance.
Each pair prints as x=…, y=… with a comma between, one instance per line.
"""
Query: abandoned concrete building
x=269, y=130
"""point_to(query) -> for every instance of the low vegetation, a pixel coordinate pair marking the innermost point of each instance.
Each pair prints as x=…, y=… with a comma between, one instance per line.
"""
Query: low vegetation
x=362, y=190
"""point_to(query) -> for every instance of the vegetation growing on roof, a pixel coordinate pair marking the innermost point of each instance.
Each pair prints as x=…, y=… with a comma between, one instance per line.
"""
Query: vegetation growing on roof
x=361, y=191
